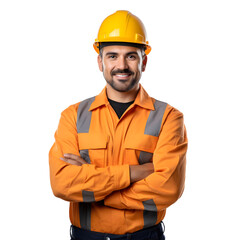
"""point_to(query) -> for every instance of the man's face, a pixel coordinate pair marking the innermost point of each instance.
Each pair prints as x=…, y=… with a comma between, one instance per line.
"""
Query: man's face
x=122, y=67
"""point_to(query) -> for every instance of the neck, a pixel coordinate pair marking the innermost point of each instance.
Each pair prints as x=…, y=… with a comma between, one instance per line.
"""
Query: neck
x=123, y=97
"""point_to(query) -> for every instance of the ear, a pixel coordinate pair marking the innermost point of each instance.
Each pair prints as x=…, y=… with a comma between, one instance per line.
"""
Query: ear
x=100, y=64
x=144, y=63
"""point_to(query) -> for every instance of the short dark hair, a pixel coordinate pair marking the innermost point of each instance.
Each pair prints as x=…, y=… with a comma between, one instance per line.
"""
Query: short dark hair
x=105, y=44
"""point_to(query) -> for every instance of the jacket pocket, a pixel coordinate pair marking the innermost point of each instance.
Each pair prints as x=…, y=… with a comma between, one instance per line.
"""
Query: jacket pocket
x=92, y=148
x=139, y=149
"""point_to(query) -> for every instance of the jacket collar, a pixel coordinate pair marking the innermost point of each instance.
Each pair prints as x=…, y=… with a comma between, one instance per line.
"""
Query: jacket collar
x=143, y=100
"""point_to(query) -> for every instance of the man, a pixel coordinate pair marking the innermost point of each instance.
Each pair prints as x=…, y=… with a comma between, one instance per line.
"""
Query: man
x=119, y=157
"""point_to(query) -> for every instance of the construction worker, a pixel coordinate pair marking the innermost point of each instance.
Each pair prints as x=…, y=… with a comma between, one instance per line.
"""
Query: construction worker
x=119, y=157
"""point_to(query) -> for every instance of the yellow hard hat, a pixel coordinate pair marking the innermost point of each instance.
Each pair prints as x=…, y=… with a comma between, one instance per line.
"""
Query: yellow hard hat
x=122, y=26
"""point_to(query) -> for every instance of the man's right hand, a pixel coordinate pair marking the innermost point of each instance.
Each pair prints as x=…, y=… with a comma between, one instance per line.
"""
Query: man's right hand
x=73, y=159
x=139, y=172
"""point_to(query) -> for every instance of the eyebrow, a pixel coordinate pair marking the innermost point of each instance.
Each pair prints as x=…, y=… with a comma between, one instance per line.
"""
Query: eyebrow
x=115, y=53
x=111, y=53
x=133, y=52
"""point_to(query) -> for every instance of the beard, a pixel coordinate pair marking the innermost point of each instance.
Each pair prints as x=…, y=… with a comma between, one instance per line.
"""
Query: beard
x=122, y=85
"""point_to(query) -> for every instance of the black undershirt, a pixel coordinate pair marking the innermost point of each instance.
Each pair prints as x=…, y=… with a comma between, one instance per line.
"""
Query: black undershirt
x=119, y=107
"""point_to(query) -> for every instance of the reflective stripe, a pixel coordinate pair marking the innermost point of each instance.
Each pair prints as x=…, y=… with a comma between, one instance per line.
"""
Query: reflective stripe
x=85, y=209
x=145, y=157
x=83, y=124
x=88, y=196
x=154, y=122
x=149, y=205
x=149, y=213
x=85, y=215
x=85, y=155
x=84, y=116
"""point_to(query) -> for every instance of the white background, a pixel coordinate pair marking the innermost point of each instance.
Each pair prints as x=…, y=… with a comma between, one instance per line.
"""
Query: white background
x=47, y=63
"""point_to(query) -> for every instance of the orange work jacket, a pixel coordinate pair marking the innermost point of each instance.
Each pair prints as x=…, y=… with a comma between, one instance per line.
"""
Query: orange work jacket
x=100, y=194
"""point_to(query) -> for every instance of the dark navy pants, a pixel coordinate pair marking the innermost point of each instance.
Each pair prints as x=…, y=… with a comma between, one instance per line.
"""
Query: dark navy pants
x=152, y=233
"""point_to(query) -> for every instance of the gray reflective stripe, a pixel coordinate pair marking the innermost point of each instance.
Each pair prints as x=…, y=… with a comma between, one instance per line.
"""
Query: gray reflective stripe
x=154, y=122
x=84, y=116
x=149, y=213
x=85, y=209
x=149, y=205
x=145, y=157
x=88, y=196
x=85, y=215
x=85, y=155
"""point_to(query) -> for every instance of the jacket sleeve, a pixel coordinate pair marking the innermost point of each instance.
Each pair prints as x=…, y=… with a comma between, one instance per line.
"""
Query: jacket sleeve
x=86, y=183
x=163, y=187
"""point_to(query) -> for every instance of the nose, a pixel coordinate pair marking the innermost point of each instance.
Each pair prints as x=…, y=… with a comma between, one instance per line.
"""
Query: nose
x=122, y=63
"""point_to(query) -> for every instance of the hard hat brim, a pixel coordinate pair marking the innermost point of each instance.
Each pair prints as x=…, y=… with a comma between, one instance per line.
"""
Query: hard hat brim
x=96, y=46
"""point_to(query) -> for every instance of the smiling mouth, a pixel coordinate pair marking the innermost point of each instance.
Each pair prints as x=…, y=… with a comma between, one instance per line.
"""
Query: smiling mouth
x=122, y=76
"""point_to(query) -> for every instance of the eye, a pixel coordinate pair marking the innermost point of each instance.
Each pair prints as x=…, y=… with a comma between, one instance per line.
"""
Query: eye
x=131, y=57
x=112, y=56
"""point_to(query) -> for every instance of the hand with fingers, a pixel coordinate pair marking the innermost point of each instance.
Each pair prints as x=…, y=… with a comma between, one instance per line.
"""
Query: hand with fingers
x=73, y=159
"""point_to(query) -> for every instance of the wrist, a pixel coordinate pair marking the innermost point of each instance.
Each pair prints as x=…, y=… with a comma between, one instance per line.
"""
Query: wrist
x=139, y=172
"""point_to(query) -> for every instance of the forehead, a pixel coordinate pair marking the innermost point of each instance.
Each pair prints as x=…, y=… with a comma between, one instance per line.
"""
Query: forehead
x=121, y=49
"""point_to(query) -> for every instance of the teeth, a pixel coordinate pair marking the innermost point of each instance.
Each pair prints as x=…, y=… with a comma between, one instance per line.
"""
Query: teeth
x=122, y=75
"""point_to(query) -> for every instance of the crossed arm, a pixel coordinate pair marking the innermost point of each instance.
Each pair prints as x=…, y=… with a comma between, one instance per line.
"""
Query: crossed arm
x=123, y=186
x=137, y=172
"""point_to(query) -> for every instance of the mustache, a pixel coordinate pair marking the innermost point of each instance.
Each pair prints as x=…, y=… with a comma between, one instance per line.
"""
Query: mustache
x=121, y=71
